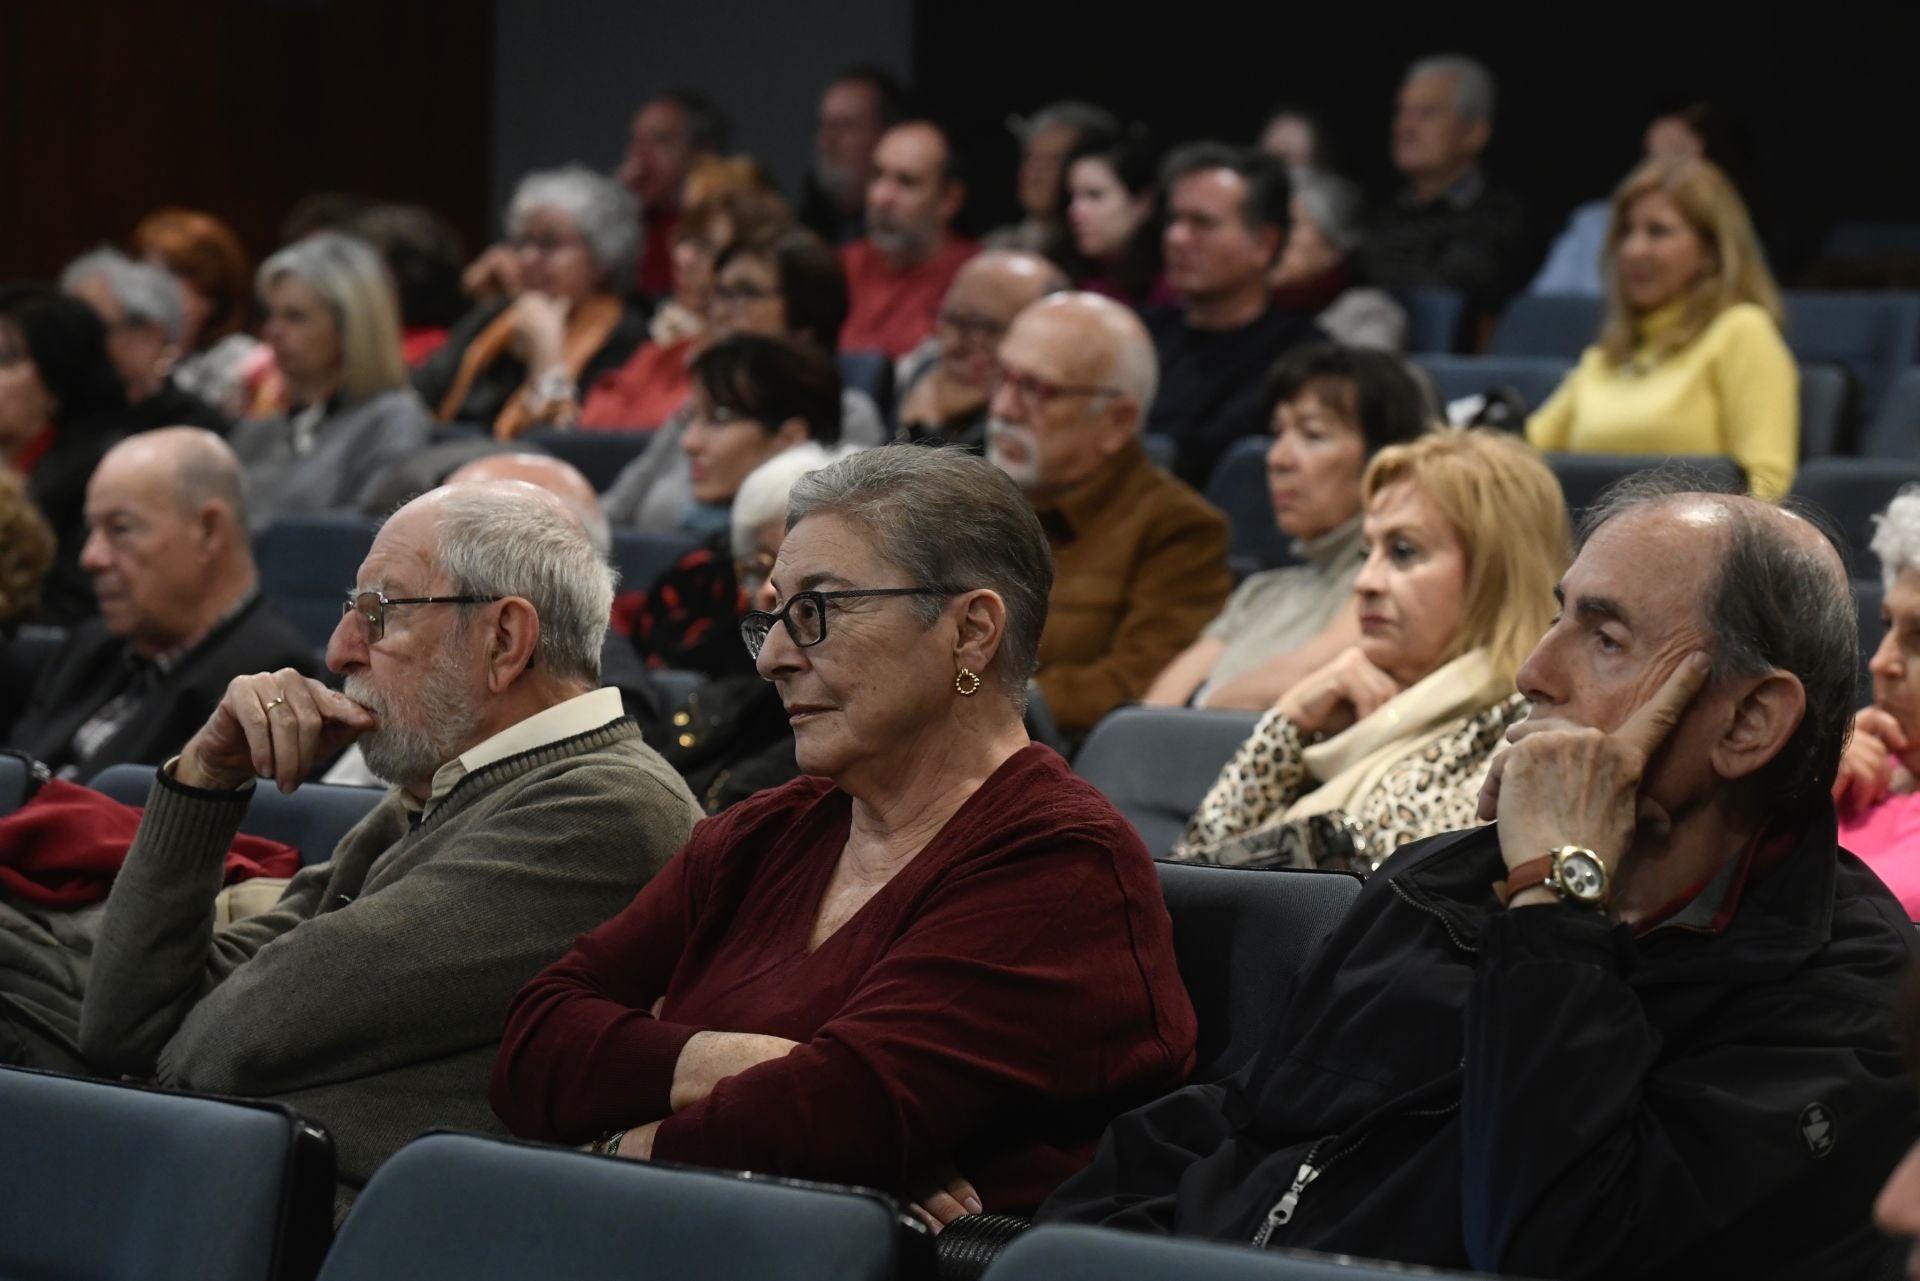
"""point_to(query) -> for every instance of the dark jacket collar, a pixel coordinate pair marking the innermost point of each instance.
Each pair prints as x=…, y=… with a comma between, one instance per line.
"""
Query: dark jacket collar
x=1084, y=504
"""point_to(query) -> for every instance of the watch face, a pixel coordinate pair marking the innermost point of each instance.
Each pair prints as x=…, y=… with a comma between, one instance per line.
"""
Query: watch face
x=1582, y=876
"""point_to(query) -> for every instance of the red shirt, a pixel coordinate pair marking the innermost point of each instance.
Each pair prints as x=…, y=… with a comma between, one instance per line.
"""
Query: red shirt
x=643, y=393
x=1005, y=995
x=893, y=310
x=653, y=273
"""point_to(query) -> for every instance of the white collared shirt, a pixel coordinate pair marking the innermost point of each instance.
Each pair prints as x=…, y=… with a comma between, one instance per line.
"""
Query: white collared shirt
x=578, y=715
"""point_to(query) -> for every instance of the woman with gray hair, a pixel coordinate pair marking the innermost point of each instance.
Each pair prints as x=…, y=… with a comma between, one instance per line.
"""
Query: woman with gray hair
x=1315, y=272
x=143, y=309
x=513, y=363
x=334, y=327
x=883, y=972
x=1876, y=791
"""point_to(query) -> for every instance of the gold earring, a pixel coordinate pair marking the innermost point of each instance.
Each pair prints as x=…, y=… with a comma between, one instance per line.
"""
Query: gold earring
x=966, y=682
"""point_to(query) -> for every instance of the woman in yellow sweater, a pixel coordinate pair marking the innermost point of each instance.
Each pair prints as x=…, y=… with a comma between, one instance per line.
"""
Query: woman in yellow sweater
x=1690, y=360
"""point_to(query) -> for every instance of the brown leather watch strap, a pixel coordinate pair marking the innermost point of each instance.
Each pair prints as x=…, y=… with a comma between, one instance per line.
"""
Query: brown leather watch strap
x=1534, y=871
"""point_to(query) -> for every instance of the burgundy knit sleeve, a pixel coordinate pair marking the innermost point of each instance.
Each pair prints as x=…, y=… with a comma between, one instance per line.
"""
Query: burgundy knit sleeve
x=581, y=1054
x=1020, y=987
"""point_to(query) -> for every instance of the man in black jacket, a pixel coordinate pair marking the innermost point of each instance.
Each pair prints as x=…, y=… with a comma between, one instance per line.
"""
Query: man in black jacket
x=181, y=612
x=1639, y=1028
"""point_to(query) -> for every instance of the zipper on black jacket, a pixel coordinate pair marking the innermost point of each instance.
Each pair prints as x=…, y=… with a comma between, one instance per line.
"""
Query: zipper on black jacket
x=1435, y=913
x=1312, y=1168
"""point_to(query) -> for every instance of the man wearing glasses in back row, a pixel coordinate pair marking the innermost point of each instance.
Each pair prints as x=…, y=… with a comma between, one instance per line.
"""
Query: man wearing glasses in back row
x=525, y=809
x=1140, y=560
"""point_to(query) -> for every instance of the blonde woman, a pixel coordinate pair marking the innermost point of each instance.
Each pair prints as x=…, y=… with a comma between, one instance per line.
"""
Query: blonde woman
x=1466, y=535
x=334, y=326
x=1690, y=359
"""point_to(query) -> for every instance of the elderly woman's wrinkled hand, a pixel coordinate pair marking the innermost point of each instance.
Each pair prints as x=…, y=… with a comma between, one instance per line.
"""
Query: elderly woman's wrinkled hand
x=951, y=1198
x=494, y=274
x=1866, y=770
x=1344, y=692
x=539, y=329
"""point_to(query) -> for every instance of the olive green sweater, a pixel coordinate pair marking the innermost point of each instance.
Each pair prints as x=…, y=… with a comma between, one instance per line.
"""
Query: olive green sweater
x=371, y=998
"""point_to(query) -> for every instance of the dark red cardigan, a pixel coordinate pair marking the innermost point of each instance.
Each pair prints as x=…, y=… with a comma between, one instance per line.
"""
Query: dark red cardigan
x=1008, y=993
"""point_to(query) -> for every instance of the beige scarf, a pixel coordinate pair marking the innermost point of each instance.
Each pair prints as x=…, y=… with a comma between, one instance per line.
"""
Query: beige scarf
x=1352, y=763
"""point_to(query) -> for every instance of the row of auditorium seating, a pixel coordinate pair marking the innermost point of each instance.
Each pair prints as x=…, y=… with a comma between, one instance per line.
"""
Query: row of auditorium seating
x=113, y=1182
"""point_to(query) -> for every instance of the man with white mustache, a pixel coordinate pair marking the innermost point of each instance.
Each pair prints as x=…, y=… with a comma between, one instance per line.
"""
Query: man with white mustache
x=525, y=809
x=1140, y=560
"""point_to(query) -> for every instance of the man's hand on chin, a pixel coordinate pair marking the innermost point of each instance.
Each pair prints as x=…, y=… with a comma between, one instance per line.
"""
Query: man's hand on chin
x=276, y=725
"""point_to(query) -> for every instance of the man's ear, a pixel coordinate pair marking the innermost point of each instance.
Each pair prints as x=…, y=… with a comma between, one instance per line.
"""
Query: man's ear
x=1762, y=721
x=216, y=529
x=1272, y=241
x=951, y=201
x=981, y=630
x=513, y=637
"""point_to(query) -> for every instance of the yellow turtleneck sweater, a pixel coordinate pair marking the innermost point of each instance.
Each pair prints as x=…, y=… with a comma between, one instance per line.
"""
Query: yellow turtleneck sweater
x=1734, y=390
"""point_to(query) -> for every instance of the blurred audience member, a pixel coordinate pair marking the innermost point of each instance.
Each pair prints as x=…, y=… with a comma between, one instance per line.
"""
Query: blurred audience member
x=1332, y=408
x=1293, y=136
x=181, y=612
x=1140, y=561
x=1316, y=274
x=898, y=275
x=511, y=364
x=1447, y=226
x=1228, y=212
x=221, y=363
x=948, y=379
x=26, y=554
x=1047, y=138
x=61, y=407
x=1690, y=359
x=754, y=397
x=670, y=135
x=423, y=254
x=334, y=326
x=651, y=388
x=1466, y=537
x=1876, y=791
x=820, y=988
x=1693, y=129
x=859, y=105
x=1113, y=205
x=143, y=311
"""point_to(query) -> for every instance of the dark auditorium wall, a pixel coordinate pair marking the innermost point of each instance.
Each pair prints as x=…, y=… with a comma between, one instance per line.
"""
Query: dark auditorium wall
x=1827, y=89
x=571, y=74
x=111, y=107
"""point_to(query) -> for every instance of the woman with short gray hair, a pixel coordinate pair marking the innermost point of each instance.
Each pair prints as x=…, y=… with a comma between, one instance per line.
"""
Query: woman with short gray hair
x=1315, y=272
x=512, y=364
x=879, y=973
x=334, y=325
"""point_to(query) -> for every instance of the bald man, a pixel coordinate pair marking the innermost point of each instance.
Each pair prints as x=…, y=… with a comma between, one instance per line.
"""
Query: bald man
x=898, y=275
x=946, y=381
x=181, y=612
x=1140, y=560
x=555, y=475
x=1639, y=1027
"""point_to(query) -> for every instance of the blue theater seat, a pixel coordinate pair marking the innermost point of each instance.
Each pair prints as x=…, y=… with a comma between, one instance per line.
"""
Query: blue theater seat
x=1853, y=491
x=119, y=1183
x=1156, y=763
x=642, y=555
x=307, y=564
x=1534, y=378
x=312, y=818
x=1239, y=488
x=1433, y=318
x=1894, y=432
x=1874, y=336
x=454, y=1205
x=1826, y=411
x=1584, y=477
x=1558, y=325
x=599, y=455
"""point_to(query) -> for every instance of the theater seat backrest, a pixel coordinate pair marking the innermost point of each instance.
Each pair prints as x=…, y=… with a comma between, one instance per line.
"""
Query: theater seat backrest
x=111, y=1182
x=312, y=818
x=453, y=1205
x=1156, y=763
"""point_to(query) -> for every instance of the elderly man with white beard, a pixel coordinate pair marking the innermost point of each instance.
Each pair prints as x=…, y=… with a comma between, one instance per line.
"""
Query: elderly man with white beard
x=524, y=810
x=1140, y=560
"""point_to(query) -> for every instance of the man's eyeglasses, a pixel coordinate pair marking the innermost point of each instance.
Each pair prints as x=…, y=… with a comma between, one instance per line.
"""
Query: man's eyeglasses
x=980, y=329
x=546, y=246
x=1037, y=393
x=372, y=607
x=805, y=615
x=743, y=292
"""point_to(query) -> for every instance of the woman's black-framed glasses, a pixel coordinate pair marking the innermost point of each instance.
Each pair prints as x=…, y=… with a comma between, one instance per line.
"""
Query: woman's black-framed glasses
x=372, y=607
x=805, y=615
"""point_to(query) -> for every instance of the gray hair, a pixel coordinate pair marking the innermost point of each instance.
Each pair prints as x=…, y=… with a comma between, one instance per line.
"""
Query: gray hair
x=1472, y=83
x=1773, y=604
x=1896, y=535
x=1335, y=205
x=1084, y=118
x=509, y=539
x=762, y=496
x=149, y=295
x=602, y=211
x=946, y=518
x=350, y=274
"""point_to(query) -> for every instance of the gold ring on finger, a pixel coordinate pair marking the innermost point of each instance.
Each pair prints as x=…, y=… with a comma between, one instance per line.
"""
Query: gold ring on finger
x=276, y=702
